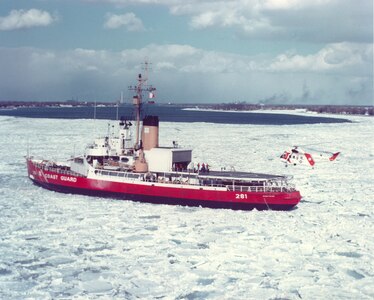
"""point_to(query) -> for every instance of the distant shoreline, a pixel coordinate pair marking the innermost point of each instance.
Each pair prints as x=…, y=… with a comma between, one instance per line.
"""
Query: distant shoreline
x=241, y=107
x=309, y=111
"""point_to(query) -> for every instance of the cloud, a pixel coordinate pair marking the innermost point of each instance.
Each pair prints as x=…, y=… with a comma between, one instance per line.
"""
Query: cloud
x=128, y=20
x=19, y=19
x=336, y=74
x=327, y=21
x=344, y=58
x=188, y=59
x=292, y=4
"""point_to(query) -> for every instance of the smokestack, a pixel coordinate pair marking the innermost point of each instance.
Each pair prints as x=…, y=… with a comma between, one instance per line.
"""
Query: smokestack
x=150, y=132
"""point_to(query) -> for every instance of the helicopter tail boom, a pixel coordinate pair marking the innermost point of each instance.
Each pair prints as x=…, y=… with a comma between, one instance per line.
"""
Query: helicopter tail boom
x=334, y=156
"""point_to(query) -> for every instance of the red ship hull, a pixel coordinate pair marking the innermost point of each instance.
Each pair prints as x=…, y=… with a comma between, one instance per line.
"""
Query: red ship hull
x=155, y=193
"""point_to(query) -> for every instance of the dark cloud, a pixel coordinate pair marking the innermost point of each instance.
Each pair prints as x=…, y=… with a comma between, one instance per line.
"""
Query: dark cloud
x=183, y=73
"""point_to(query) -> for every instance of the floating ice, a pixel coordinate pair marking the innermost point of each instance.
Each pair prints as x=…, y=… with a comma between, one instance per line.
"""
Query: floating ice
x=69, y=246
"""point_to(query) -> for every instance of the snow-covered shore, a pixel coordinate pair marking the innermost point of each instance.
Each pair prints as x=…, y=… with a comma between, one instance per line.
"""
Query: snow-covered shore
x=301, y=112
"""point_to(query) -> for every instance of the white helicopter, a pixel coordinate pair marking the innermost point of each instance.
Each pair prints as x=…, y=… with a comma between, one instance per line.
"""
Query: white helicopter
x=297, y=156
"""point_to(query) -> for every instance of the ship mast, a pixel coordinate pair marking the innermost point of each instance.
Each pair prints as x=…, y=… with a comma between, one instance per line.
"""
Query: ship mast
x=137, y=99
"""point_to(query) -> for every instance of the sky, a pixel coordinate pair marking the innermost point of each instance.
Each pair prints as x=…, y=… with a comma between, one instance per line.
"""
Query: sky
x=257, y=51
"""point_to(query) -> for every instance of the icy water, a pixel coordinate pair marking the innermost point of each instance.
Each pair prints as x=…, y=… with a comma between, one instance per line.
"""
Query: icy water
x=61, y=246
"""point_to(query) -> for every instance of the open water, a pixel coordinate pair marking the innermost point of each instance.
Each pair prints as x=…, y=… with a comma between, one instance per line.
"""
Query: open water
x=171, y=113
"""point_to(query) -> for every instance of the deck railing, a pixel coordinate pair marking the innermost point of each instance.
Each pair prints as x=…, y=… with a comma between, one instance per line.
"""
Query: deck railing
x=58, y=170
x=260, y=189
x=235, y=188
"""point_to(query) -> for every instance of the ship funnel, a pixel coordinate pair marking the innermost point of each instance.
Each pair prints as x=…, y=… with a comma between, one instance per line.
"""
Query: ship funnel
x=150, y=132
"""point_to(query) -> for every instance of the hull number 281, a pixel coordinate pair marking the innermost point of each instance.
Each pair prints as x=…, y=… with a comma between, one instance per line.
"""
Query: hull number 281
x=241, y=196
